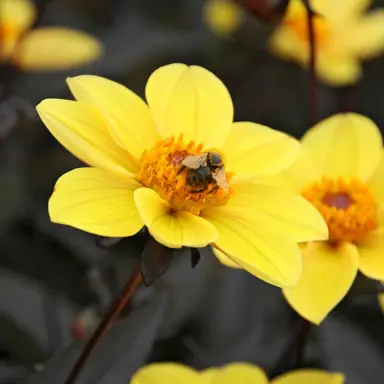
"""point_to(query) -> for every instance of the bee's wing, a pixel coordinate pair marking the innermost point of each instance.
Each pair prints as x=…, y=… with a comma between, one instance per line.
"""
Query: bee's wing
x=220, y=178
x=195, y=161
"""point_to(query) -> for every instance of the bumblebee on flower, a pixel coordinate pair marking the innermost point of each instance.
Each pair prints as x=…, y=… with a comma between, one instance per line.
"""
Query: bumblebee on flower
x=142, y=158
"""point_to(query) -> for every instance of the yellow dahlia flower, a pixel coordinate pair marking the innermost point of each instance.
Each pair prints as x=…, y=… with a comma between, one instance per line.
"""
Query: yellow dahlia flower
x=138, y=176
x=341, y=172
x=44, y=48
x=239, y=373
x=345, y=35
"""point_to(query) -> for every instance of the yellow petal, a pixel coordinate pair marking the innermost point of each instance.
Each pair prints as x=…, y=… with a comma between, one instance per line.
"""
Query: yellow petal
x=81, y=129
x=94, y=201
x=223, y=17
x=281, y=180
x=302, y=172
x=371, y=250
x=380, y=297
x=309, y=376
x=381, y=216
x=284, y=43
x=330, y=9
x=174, y=229
x=347, y=145
x=55, y=49
x=260, y=249
x=376, y=182
x=190, y=101
x=166, y=373
x=339, y=70
x=365, y=35
x=239, y=373
x=328, y=273
x=230, y=261
x=126, y=114
x=336, y=64
x=280, y=211
x=225, y=260
x=335, y=10
x=17, y=14
x=252, y=150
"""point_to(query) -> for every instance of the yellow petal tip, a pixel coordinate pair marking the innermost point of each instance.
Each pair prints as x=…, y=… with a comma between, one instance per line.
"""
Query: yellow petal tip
x=56, y=48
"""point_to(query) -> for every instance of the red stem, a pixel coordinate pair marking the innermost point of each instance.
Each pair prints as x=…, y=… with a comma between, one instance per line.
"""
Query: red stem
x=118, y=305
x=313, y=83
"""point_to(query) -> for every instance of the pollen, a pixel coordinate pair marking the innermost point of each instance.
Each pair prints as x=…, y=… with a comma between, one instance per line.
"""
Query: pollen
x=348, y=207
x=162, y=170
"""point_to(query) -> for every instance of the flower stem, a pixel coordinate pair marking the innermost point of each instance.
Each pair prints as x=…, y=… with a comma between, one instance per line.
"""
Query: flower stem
x=118, y=305
x=313, y=83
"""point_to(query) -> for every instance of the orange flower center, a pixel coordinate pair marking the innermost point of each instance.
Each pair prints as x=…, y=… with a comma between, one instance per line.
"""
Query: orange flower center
x=198, y=184
x=299, y=25
x=348, y=207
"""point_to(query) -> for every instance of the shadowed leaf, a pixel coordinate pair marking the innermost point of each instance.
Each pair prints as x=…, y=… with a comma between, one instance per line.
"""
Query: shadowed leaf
x=120, y=353
x=155, y=260
x=107, y=242
x=349, y=349
x=195, y=257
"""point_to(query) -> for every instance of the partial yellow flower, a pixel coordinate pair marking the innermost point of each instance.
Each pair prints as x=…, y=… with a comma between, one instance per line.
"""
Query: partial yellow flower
x=380, y=297
x=138, y=176
x=345, y=35
x=225, y=260
x=223, y=17
x=341, y=172
x=167, y=373
x=309, y=376
x=239, y=373
x=44, y=48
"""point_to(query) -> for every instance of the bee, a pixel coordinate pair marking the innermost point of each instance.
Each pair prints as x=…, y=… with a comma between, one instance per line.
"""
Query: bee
x=204, y=169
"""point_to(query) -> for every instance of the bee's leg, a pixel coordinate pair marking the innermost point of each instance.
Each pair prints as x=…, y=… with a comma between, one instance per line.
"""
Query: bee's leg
x=181, y=169
x=197, y=190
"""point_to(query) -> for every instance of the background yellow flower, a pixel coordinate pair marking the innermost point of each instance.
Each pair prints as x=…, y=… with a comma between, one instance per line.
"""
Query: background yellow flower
x=239, y=373
x=223, y=17
x=341, y=172
x=345, y=35
x=43, y=48
x=138, y=178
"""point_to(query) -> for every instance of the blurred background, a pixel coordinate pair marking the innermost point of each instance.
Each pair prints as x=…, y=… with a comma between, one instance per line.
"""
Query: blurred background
x=56, y=282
